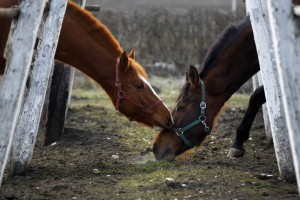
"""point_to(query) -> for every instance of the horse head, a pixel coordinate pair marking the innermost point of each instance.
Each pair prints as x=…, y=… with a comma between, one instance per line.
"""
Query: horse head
x=135, y=97
x=190, y=120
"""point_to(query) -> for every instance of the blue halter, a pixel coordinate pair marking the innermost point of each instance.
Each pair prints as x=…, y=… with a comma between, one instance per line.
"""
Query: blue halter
x=200, y=120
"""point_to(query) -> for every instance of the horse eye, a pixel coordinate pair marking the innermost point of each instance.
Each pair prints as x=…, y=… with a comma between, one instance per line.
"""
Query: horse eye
x=180, y=106
x=139, y=85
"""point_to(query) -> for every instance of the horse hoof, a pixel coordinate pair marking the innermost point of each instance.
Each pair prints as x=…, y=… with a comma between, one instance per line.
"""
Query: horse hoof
x=234, y=152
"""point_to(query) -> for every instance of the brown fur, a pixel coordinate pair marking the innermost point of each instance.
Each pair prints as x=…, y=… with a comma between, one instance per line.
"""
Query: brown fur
x=296, y=2
x=98, y=31
x=95, y=28
x=88, y=45
x=229, y=64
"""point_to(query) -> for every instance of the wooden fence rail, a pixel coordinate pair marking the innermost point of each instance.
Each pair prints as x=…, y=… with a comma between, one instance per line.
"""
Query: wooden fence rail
x=18, y=56
x=261, y=29
x=285, y=31
x=29, y=119
x=60, y=92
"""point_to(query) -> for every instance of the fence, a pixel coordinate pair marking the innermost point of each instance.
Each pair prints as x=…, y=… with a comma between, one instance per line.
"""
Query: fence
x=175, y=37
x=276, y=27
x=23, y=88
x=19, y=52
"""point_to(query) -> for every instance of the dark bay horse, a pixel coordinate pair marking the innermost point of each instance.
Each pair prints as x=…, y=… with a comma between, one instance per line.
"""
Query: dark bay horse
x=86, y=44
x=228, y=65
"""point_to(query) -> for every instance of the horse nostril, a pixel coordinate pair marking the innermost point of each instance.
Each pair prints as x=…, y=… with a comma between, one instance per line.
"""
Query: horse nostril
x=154, y=148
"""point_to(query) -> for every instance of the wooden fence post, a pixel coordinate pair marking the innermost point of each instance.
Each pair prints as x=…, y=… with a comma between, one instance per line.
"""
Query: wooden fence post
x=261, y=29
x=18, y=56
x=29, y=119
x=257, y=81
x=285, y=31
x=60, y=92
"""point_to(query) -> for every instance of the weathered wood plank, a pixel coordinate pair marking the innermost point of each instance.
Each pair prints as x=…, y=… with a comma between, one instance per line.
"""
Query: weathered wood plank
x=261, y=29
x=285, y=31
x=9, y=12
x=60, y=92
x=257, y=81
x=18, y=54
x=93, y=8
x=29, y=119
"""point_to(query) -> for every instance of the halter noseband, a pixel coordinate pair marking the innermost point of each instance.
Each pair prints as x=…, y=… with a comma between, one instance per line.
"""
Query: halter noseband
x=122, y=95
x=180, y=131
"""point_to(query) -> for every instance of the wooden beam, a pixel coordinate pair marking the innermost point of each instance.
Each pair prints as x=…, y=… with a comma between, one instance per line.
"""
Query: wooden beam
x=29, y=119
x=60, y=93
x=262, y=35
x=257, y=81
x=9, y=12
x=93, y=8
x=285, y=38
x=18, y=56
x=61, y=86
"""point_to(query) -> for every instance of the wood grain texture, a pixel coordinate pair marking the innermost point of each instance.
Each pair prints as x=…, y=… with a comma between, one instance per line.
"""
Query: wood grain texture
x=270, y=78
x=18, y=54
x=29, y=119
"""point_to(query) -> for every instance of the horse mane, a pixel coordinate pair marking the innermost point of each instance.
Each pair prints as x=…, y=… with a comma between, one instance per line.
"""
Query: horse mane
x=96, y=28
x=102, y=34
x=223, y=43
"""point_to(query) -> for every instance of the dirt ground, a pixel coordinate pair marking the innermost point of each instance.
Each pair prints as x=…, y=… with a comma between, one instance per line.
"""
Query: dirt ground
x=104, y=156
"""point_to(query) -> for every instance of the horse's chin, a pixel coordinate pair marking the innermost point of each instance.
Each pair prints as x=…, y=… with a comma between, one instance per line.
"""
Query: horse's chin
x=168, y=156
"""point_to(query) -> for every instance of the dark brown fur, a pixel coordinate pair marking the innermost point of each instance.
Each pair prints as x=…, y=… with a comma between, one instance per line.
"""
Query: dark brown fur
x=228, y=65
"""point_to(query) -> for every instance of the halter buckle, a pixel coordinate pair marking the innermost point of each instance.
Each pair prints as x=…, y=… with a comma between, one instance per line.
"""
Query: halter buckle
x=121, y=94
x=202, y=105
x=179, y=132
x=202, y=118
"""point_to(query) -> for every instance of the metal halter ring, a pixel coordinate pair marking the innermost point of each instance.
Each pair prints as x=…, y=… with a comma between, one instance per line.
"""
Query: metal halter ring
x=121, y=94
x=202, y=105
x=202, y=118
x=179, y=132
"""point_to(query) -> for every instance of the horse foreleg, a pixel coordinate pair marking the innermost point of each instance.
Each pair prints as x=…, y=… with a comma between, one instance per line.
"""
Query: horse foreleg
x=242, y=131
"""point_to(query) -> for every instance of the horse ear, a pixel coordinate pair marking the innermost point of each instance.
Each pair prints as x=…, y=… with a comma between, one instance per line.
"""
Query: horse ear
x=132, y=54
x=123, y=61
x=194, y=76
x=187, y=77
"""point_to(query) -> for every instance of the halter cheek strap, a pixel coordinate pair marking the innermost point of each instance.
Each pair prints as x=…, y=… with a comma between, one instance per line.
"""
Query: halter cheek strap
x=122, y=95
x=201, y=120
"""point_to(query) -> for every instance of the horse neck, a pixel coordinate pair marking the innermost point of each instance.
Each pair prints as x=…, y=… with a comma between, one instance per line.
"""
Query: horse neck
x=234, y=67
x=88, y=46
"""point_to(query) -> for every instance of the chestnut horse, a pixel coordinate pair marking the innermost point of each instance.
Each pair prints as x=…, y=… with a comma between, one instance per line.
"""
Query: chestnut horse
x=86, y=44
x=228, y=65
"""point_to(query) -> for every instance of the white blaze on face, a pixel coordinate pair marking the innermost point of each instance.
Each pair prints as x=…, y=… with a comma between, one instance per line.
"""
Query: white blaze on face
x=146, y=83
x=155, y=128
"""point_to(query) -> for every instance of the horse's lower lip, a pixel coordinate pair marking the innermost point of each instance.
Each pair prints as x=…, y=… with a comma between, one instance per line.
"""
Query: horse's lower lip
x=157, y=128
x=165, y=156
